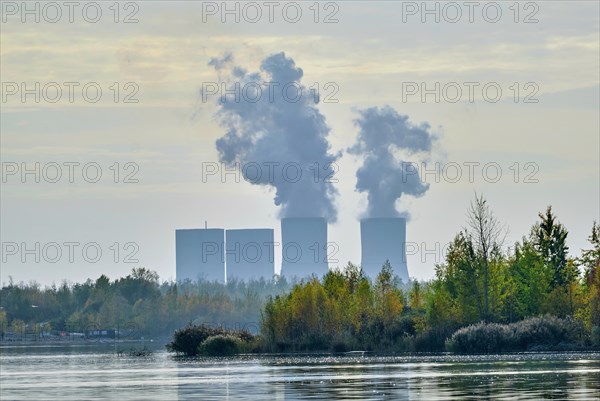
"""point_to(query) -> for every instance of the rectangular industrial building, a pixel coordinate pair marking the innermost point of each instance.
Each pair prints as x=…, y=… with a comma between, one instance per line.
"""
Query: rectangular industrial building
x=304, y=247
x=249, y=254
x=200, y=254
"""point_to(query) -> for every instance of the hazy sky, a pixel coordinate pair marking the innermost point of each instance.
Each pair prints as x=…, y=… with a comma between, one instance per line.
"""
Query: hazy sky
x=374, y=55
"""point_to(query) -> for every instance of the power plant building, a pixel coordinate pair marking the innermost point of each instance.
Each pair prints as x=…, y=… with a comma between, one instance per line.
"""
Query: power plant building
x=246, y=254
x=199, y=254
x=304, y=247
x=383, y=239
x=249, y=254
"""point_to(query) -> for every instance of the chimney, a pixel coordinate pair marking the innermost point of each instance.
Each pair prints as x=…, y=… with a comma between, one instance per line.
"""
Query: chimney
x=304, y=247
x=384, y=239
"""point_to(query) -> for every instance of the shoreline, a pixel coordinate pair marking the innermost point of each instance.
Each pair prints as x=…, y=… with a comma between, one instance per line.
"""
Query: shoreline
x=159, y=346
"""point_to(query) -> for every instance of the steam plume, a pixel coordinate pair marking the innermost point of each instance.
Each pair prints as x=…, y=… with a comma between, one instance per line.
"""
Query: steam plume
x=383, y=133
x=281, y=127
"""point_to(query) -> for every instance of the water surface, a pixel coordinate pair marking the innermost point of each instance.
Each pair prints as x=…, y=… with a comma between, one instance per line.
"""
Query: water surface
x=95, y=373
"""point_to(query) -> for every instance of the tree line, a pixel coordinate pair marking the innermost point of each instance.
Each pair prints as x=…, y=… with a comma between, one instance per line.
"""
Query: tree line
x=138, y=302
x=478, y=282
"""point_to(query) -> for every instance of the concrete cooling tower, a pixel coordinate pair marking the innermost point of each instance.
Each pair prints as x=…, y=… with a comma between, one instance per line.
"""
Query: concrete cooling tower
x=304, y=247
x=250, y=254
x=383, y=239
x=199, y=254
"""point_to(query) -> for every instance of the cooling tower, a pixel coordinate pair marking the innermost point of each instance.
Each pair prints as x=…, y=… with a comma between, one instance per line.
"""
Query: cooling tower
x=199, y=254
x=304, y=247
x=383, y=239
x=249, y=254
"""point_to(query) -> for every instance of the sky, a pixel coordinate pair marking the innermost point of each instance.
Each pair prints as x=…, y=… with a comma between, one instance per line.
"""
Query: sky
x=123, y=163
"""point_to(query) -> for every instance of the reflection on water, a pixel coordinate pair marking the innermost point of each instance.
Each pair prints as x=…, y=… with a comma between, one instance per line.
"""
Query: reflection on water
x=79, y=373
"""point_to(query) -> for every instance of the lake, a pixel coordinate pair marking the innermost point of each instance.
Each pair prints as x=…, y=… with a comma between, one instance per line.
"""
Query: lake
x=97, y=373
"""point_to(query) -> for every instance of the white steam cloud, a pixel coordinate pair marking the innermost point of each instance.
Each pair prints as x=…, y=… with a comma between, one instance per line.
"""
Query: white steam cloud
x=385, y=179
x=276, y=125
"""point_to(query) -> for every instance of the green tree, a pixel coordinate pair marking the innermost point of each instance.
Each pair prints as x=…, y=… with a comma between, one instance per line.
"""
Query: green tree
x=531, y=281
x=441, y=310
x=461, y=277
x=415, y=296
x=550, y=238
x=102, y=283
x=590, y=258
x=140, y=284
x=388, y=300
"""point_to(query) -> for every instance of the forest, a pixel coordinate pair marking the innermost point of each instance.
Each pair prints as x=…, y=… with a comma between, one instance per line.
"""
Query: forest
x=139, y=304
x=484, y=296
x=534, y=295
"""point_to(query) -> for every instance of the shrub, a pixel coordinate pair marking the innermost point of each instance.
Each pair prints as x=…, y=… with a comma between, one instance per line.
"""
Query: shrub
x=221, y=345
x=339, y=346
x=406, y=325
x=546, y=331
x=431, y=340
x=187, y=340
x=539, y=333
x=480, y=338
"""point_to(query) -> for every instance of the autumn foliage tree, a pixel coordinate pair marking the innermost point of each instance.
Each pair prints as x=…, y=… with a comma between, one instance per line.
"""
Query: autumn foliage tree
x=342, y=311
